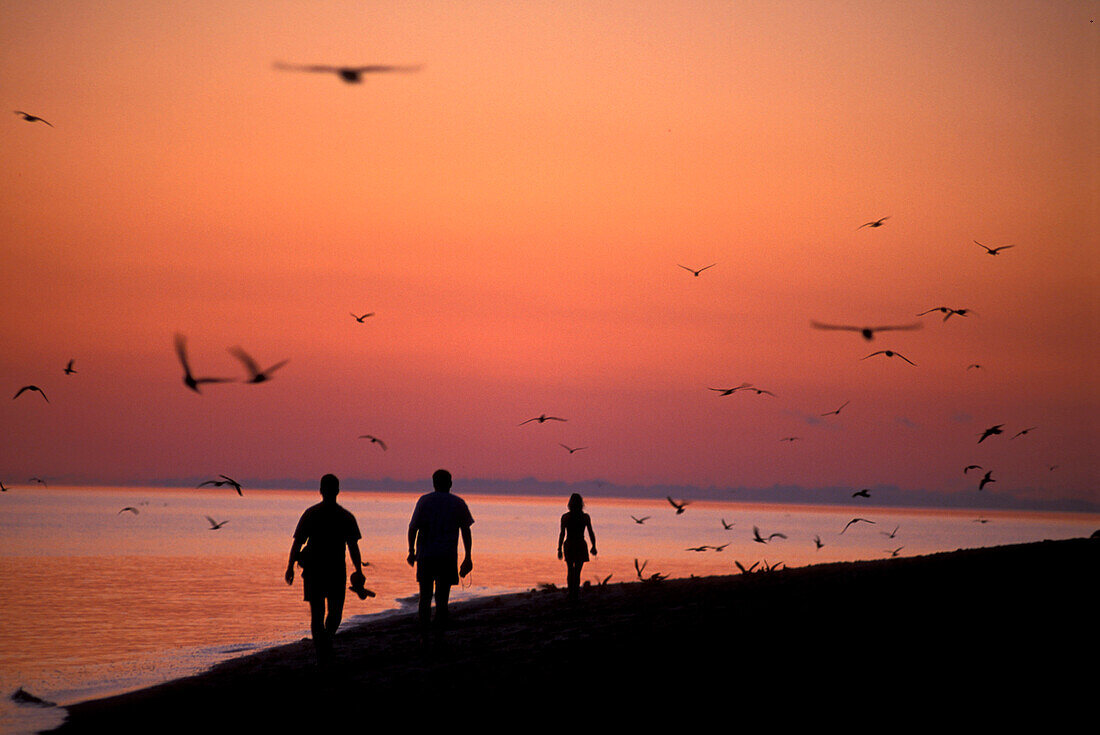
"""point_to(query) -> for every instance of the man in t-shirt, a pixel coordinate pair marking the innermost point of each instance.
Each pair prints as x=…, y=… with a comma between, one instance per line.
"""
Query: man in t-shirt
x=433, y=546
x=325, y=529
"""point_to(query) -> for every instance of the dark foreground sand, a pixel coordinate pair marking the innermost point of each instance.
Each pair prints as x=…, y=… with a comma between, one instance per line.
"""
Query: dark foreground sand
x=966, y=635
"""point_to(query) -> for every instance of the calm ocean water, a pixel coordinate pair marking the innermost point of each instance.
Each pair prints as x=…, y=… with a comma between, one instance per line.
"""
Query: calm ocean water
x=97, y=602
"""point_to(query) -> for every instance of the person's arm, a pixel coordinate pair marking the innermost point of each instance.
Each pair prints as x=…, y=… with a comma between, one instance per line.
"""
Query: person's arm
x=592, y=535
x=295, y=546
x=412, y=545
x=467, y=563
x=353, y=552
x=561, y=537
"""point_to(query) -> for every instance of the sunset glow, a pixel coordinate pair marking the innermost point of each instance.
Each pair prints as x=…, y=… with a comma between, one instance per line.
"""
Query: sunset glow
x=515, y=215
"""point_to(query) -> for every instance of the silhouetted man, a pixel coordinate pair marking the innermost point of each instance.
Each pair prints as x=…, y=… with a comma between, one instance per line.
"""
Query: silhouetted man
x=325, y=529
x=433, y=546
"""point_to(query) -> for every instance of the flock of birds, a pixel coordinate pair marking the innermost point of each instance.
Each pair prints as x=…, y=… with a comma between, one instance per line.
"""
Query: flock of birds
x=256, y=374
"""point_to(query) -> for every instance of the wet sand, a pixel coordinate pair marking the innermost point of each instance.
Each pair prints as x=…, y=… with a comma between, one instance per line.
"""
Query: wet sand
x=982, y=630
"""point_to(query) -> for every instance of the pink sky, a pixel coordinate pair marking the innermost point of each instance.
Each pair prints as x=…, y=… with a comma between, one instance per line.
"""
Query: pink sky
x=515, y=213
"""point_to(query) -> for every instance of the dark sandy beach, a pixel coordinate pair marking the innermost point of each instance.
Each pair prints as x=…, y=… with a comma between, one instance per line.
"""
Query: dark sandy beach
x=978, y=633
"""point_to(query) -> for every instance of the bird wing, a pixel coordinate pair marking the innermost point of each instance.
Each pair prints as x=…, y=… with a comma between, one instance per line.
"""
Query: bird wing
x=245, y=358
x=819, y=325
x=305, y=67
x=375, y=68
x=181, y=352
x=897, y=327
x=709, y=266
x=276, y=366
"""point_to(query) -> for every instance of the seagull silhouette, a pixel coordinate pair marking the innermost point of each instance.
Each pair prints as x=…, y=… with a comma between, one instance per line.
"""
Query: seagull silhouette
x=224, y=481
x=876, y=223
x=760, y=539
x=856, y=520
x=697, y=272
x=69, y=368
x=868, y=332
x=257, y=375
x=895, y=551
x=742, y=567
x=39, y=480
x=32, y=118
x=890, y=534
x=1024, y=431
x=640, y=568
x=542, y=419
x=720, y=548
x=31, y=388
x=790, y=438
x=994, y=251
x=361, y=318
x=188, y=379
x=697, y=548
x=571, y=450
x=972, y=467
x=817, y=541
x=731, y=391
x=947, y=312
x=986, y=480
x=990, y=432
x=130, y=508
x=837, y=411
x=374, y=440
x=350, y=74
x=890, y=353
x=725, y=525
x=974, y=365
x=215, y=525
x=864, y=493
x=640, y=521
x=678, y=506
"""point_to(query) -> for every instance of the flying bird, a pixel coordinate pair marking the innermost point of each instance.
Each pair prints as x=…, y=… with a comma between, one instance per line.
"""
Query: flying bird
x=1024, y=431
x=640, y=568
x=224, y=481
x=350, y=74
x=864, y=493
x=972, y=467
x=257, y=375
x=697, y=272
x=760, y=539
x=890, y=534
x=731, y=391
x=725, y=525
x=876, y=223
x=31, y=388
x=759, y=391
x=868, y=332
x=39, y=480
x=990, y=432
x=215, y=525
x=817, y=541
x=640, y=521
x=129, y=508
x=697, y=548
x=678, y=506
x=947, y=312
x=837, y=411
x=542, y=419
x=32, y=118
x=742, y=566
x=895, y=551
x=69, y=368
x=720, y=548
x=188, y=379
x=986, y=480
x=974, y=365
x=571, y=450
x=891, y=353
x=2, y=488
x=361, y=318
x=994, y=251
x=790, y=438
x=374, y=440
x=856, y=520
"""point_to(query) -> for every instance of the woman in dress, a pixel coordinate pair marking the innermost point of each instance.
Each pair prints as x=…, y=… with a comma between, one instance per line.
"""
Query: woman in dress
x=571, y=545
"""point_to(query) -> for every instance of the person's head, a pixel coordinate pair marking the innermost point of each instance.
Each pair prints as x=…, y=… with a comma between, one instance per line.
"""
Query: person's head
x=441, y=481
x=576, y=503
x=330, y=487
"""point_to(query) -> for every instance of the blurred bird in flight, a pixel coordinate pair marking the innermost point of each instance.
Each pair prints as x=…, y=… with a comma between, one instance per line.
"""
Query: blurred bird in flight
x=34, y=388
x=350, y=74
x=876, y=223
x=994, y=251
x=868, y=332
x=32, y=118
x=697, y=272
x=188, y=379
x=257, y=375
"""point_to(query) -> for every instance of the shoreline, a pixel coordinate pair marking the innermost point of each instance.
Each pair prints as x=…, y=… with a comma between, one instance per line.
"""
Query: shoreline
x=949, y=615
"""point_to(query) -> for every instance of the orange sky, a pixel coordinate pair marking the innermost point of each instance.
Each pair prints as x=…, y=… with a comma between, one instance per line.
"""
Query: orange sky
x=515, y=213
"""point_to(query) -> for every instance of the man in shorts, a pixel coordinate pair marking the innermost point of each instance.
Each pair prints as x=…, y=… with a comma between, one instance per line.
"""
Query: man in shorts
x=325, y=529
x=436, y=522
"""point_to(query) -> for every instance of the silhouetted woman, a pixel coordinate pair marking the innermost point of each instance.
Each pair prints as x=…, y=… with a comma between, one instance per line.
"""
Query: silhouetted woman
x=571, y=546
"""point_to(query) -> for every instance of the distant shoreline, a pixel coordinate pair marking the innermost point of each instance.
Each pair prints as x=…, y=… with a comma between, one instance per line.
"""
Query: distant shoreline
x=940, y=630
x=886, y=496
